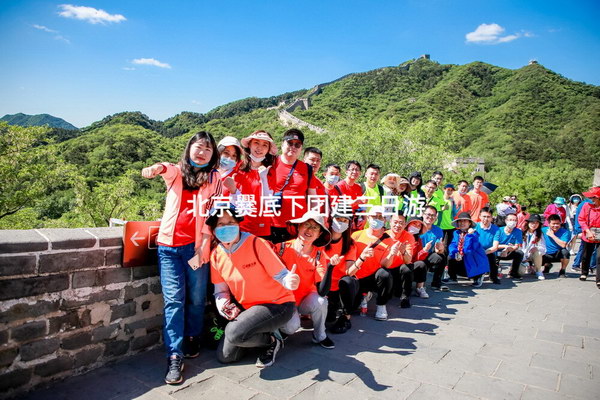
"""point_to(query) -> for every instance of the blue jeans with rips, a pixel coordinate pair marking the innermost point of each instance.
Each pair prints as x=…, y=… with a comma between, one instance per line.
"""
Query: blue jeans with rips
x=184, y=293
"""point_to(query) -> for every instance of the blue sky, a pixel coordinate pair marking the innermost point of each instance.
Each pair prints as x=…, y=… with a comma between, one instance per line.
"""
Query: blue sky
x=85, y=60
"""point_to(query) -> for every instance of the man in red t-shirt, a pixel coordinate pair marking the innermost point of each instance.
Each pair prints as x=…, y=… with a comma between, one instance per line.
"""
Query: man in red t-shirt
x=479, y=198
x=291, y=181
x=313, y=157
x=350, y=191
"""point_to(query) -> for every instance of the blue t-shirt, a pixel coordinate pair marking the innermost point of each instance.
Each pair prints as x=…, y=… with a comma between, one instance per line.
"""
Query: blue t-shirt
x=515, y=237
x=435, y=233
x=551, y=246
x=487, y=237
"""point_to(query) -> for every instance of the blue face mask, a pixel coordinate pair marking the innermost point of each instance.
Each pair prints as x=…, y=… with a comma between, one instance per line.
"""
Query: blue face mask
x=227, y=233
x=376, y=224
x=227, y=163
x=193, y=164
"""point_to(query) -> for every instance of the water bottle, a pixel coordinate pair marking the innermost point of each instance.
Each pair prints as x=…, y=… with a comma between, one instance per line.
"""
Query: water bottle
x=363, y=306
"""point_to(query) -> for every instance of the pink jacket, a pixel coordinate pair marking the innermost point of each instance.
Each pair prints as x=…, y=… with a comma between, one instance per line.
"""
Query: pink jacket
x=589, y=217
x=173, y=179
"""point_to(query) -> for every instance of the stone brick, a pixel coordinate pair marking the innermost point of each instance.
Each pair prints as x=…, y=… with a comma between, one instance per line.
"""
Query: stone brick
x=112, y=275
x=114, y=256
x=145, y=341
x=97, y=297
x=85, y=319
x=123, y=310
x=21, y=241
x=69, y=238
x=148, y=323
x=28, y=331
x=156, y=288
x=17, y=265
x=7, y=356
x=71, y=260
x=116, y=348
x=83, y=279
x=28, y=311
x=4, y=337
x=62, y=323
x=25, y=287
x=87, y=356
x=76, y=341
x=133, y=292
x=145, y=271
x=108, y=236
x=104, y=332
x=14, y=379
x=33, y=350
x=53, y=367
x=145, y=305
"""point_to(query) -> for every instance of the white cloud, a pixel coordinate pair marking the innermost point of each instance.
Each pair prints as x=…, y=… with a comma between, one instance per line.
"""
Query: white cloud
x=490, y=34
x=89, y=14
x=196, y=102
x=57, y=35
x=151, y=61
x=128, y=68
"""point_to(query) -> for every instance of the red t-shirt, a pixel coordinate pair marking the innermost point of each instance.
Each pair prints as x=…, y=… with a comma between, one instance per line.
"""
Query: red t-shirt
x=353, y=191
x=371, y=264
x=310, y=269
x=478, y=201
x=339, y=271
x=249, y=184
x=185, y=227
x=403, y=237
x=298, y=185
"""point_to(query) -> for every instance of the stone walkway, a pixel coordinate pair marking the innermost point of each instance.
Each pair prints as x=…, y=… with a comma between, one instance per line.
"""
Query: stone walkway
x=524, y=340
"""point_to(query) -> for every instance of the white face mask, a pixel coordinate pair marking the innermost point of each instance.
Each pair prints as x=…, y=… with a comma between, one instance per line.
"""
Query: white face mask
x=332, y=179
x=413, y=230
x=339, y=227
x=256, y=159
x=511, y=224
x=376, y=224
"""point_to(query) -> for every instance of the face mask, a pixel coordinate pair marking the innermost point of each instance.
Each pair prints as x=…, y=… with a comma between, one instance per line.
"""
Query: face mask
x=413, y=230
x=227, y=163
x=575, y=201
x=193, y=164
x=339, y=227
x=513, y=201
x=256, y=159
x=332, y=179
x=227, y=233
x=511, y=224
x=376, y=224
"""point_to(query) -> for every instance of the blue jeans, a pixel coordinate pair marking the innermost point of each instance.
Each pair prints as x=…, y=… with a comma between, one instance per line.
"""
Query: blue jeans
x=184, y=293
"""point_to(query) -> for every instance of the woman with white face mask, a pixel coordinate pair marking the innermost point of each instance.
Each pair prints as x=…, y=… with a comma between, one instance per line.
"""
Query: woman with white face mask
x=344, y=285
x=230, y=153
x=249, y=183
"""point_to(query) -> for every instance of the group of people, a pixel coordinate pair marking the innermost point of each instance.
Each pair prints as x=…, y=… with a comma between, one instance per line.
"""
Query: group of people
x=273, y=242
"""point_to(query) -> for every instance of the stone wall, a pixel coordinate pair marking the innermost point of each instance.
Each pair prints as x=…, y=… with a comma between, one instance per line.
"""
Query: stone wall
x=67, y=305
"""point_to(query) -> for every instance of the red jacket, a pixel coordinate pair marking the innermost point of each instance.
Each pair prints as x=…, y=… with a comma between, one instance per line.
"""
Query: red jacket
x=589, y=217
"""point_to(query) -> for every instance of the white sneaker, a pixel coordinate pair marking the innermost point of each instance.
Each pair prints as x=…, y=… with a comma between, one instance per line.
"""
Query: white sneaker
x=540, y=275
x=421, y=293
x=381, y=313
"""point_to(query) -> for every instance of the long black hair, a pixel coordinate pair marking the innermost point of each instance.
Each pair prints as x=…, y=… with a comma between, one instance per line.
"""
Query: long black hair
x=538, y=231
x=194, y=178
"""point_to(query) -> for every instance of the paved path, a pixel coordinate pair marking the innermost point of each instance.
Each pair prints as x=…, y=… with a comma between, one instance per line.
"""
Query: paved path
x=526, y=340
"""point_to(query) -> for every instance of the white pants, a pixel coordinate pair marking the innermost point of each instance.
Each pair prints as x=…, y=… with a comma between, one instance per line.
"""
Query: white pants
x=314, y=305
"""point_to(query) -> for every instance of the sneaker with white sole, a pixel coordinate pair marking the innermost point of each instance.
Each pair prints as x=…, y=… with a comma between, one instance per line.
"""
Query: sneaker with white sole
x=268, y=357
x=381, y=313
x=540, y=275
x=478, y=282
x=422, y=293
x=174, y=370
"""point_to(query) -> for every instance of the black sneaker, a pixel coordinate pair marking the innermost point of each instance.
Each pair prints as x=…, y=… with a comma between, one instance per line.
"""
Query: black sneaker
x=348, y=324
x=562, y=273
x=404, y=302
x=325, y=343
x=191, y=346
x=496, y=281
x=174, y=370
x=340, y=325
x=268, y=357
x=547, y=268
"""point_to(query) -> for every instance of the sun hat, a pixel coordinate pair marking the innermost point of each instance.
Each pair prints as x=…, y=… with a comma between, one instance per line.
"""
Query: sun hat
x=464, y=216
x=403, y=181
x=325, y=236
x=593, y=192
x=390, y=175
x=376, y=209
x=534, y=218
x=419, y=220
x=560, y=201
x=506, y=198
x=228, y=141
x=261, y=135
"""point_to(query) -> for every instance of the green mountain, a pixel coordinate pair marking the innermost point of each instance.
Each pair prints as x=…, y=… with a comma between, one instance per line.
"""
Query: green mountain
x=37, y=120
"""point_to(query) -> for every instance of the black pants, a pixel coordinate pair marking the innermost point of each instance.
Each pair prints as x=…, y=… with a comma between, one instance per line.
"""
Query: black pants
x=588, y=250
x=345, y=298
x=493, y=266
x=562, y=254
x=448, y=235
x=402, y=277
x=457, y=268
x=516, y=257
x=279, y=235
x=381, y=282
x=434, y=262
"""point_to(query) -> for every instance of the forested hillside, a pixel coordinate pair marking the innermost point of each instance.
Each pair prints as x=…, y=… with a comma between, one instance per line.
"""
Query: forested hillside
x=538, y=132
